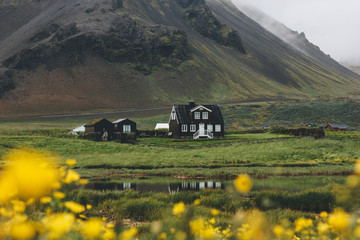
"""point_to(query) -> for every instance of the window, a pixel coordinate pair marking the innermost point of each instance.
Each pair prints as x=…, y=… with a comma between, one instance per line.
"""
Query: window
x=217, y=128
x=192, y=128
x=205, y=115
x=173, y=116
x=197, y=115
x=126, y=128
x=184, y=128
x=210, y=128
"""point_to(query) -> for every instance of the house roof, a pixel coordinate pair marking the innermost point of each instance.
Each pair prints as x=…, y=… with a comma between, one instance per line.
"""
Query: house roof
x=119, y=120
x=340, y=126
x=93, y=122
x=79, y=129
x=183, y=116
x=162, y=126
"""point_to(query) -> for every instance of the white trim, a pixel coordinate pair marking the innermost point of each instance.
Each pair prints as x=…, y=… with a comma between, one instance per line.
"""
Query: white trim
x=197, y=115
x=203, y=115
x=184, y=127
x=193, y=128
x=173, y=110
x=126, y=128
x=218, y=128
x=199, y=106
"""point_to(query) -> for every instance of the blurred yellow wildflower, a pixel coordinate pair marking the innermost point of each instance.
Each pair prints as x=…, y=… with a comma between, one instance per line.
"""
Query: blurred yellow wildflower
x=243, y=183
x=178, y=208
x=74, y=207
x=302, y=223
x=83, y=181
x=71, y=176
x=59, y=195
x=357, y=167
x=92, y=228
x=323, y=214
x=278, y=231
x=162, y=236
x=129, y=234
x=339, y=220
x=58, y=224
x=27, y=174
x=45, y=199
x=215, y=212
x=22, y=231
x=71, y=162
x=322, y=228
x=197, y=202
x=88, y=206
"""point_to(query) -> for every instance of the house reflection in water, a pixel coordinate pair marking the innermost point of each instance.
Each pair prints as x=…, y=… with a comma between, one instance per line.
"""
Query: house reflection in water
x=156, y=187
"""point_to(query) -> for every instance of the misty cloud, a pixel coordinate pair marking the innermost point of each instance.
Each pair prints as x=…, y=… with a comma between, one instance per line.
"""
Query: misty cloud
x=332, y=25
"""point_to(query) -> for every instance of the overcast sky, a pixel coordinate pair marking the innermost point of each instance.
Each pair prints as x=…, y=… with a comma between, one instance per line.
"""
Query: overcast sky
x=333, y=25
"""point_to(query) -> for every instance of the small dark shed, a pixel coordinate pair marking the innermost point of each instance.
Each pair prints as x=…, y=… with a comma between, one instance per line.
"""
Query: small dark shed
x=336, y=127
x=125, y=125
x=99, y=126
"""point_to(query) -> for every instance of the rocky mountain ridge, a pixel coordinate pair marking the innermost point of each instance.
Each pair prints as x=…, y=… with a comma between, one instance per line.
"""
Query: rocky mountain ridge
x=65, y=55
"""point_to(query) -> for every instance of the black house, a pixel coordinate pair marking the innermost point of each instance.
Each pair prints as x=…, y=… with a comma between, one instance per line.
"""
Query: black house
x=125, y=125
x=99, y=126
x=196, y=121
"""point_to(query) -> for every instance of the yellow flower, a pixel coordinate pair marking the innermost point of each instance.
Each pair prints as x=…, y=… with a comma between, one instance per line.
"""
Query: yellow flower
x=178, y=208
x=18, y=206
x=357, y=167
x=323, y=214
x=88, y=206
x=162, y=236
x=243, y=183
x=108, y=234
x=302, y=223
x=45, y=200
x=71, y=176
x=70, y=162
x=353, y=181
x=22, y=231
x=339, y=220
x=357, y=232
x=83, y=181
x=129, y=234
x=28, y=174
x=74, y=207
x=322, y=228
x=59, y=195
x=197, y=202
x=58, y=224
x=215, y=212
x=212, y=221
x=278, y=231
x=92, y=228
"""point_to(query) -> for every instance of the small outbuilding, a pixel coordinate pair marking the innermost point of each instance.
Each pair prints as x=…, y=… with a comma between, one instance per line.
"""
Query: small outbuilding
x=160, y=126
x=336, y=127
x=124, y=125
x=99, y=126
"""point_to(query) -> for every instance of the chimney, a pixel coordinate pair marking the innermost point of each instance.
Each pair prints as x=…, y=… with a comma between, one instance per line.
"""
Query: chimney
x=191, y=104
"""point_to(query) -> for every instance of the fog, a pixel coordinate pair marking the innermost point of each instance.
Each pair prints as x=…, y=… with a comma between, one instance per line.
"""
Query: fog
x=333, y=25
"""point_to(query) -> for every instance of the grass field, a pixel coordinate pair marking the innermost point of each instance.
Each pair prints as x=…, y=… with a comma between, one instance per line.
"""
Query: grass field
x=291, y=177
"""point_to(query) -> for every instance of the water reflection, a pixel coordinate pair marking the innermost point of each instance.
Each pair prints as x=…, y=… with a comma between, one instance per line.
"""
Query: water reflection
x=155, y=187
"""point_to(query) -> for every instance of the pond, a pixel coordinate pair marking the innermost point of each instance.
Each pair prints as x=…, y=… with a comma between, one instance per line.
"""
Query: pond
x=171, y=185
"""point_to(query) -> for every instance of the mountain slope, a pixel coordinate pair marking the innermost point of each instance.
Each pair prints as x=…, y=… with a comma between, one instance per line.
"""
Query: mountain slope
x=65, y=56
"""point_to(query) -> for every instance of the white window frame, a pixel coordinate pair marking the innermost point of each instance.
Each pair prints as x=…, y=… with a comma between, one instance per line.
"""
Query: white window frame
x=126, y=128
x=196, y=115
x=173, y=116
x=210, y=127
x=193, y=128
x=205, y=115
x=184, y=128
x=218, y=128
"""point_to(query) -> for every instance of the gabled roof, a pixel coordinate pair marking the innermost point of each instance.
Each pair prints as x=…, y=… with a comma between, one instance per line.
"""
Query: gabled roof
x=340, y=126
x=79, y=129
x=94, y=122
x=199, y=106
x=119, y=120
x=183, y=116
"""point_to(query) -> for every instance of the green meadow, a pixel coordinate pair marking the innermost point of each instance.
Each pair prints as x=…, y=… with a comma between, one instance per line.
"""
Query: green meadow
x=292, y=177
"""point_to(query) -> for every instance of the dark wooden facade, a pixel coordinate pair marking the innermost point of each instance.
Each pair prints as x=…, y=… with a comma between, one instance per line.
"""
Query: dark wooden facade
x=336, y=127
x=125, y=126
x=99, y=126
x=193, y=121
